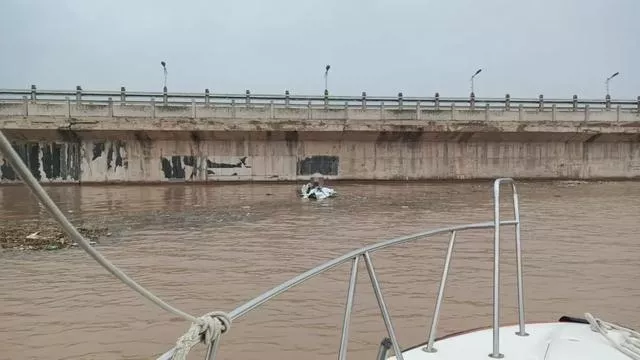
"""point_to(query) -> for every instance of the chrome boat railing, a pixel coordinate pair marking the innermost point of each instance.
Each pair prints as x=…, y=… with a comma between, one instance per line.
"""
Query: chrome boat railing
x=365, y=254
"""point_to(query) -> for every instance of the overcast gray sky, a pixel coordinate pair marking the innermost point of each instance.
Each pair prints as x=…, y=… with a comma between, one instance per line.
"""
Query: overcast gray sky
x=553, y=47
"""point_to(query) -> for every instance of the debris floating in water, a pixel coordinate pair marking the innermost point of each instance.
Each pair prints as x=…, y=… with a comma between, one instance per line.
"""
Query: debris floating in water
x=40, y=235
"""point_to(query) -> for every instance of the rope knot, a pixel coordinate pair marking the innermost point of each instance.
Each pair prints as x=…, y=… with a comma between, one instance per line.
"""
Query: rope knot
x=207, y=329
x=213, y=325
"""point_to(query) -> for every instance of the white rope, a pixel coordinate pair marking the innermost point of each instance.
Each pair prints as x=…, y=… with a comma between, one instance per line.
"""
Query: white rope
x=207, y=329
x=211, y=325
x=630, y=344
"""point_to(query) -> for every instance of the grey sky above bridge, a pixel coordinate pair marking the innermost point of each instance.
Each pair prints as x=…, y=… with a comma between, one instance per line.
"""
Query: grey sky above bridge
x=525, y=48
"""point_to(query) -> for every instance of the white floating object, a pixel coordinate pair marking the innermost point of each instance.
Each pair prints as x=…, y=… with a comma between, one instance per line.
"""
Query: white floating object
x=34, y=236
x=317, y=193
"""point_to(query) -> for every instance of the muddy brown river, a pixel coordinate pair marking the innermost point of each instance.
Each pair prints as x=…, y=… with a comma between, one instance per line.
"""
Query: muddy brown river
x=205, y=248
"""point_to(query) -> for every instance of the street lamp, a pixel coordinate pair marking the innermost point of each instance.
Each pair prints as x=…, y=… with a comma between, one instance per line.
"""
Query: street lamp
x=326, y=78
x=609, y=79
x=472, y=77
x=164, y=68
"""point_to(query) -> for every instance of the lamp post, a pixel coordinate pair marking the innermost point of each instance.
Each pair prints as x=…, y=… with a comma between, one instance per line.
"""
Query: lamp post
x=609, y=79
x=164, y=68
x=472, y=77
x=326, y=79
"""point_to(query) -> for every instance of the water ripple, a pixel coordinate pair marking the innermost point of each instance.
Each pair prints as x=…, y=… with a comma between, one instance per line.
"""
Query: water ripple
x=215, y=247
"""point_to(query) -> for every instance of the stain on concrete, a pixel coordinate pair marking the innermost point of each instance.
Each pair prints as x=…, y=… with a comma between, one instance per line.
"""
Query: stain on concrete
x=51, y=160
x=6, y=171
x=600, y=124
x=71, y=169
x=215, y=165
x=145, y=143
x=192, y=162
x=141, y=136
x=291, y=136
x=106, y=159
x=34, y=160
x=172, y=168
x=226, y=166
x=195, y=137
x=385, y=136
x=189, y=160
x=67, y=135
x=98, y=149
x=412, y=136
x=593, y=138
x=291, y=139
x=181, y=167
x=465, y=137
x=631, y=124
x=116, y=154
x=323, y=164
x=404, y=136
x=190, y=167
x=46, y=161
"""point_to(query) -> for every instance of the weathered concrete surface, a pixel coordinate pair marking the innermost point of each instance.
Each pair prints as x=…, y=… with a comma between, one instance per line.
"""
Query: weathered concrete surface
x=98, y=143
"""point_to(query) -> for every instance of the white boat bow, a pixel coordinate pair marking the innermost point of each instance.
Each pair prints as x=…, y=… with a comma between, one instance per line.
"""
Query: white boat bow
x=545, y=341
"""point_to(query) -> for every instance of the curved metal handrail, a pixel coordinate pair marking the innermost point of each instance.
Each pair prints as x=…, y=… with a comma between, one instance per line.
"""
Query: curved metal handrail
x=270, y=294
x=365, y=253
x=354, y=255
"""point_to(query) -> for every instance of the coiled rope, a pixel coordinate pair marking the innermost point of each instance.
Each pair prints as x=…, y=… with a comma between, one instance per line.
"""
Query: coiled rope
x=209, y=329
x=630, y=344
x=206, y=329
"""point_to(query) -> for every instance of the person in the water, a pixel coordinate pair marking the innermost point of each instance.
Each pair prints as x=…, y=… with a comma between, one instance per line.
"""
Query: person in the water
x=315, y=184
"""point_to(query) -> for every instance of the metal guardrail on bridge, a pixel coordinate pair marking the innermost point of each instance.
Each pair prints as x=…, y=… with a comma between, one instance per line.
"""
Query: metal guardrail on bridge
x=207, y=98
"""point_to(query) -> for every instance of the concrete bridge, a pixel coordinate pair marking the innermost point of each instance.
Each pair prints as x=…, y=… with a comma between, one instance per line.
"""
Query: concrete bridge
x=102, y=137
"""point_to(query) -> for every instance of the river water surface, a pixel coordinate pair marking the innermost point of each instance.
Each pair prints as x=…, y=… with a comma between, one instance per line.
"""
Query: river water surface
x=205, y=248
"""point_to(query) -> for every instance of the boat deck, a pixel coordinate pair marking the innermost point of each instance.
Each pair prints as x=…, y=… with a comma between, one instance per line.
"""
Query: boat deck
x=546, y=341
